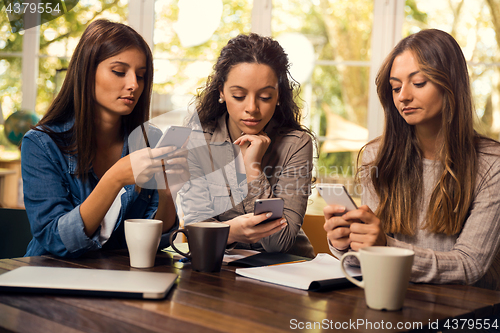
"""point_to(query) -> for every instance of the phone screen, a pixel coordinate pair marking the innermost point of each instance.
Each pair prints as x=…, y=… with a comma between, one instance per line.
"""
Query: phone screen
x=174, y=136
x=336, y=194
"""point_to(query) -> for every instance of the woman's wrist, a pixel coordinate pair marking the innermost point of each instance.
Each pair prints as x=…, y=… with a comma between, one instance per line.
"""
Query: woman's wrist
x=164, y=195
x=113, y=180
x=230, y=237
x=253, y=171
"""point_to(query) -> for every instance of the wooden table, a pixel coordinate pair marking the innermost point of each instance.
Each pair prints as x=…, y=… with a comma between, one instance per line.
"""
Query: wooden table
x=225, y=302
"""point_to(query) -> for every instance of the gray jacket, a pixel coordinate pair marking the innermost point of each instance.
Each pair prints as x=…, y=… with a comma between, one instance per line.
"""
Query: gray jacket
x=215, y=194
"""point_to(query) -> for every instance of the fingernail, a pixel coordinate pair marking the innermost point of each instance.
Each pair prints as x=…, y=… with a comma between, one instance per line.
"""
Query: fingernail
x=269, y=214
x=341, y=209
x=282, y=221
x=283, y=226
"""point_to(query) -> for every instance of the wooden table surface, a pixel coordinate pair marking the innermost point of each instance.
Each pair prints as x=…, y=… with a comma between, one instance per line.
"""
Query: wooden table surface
x=225, y=302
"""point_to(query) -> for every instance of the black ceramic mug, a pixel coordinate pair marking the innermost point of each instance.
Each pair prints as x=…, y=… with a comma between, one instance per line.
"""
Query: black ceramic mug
x=207, y=243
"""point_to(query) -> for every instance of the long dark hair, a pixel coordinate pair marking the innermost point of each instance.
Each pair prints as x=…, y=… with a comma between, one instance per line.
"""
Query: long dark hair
x=252, y=48
x=398, y=173
x=101, y=40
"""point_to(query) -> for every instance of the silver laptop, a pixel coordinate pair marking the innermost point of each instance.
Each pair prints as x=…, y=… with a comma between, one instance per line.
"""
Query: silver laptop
x=87, y=282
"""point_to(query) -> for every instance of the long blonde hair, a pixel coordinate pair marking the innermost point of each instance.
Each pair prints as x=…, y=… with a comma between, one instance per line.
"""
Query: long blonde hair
x=398, y=174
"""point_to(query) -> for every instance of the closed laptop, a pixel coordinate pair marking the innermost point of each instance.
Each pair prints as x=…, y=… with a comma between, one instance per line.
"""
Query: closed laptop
x=87, y=282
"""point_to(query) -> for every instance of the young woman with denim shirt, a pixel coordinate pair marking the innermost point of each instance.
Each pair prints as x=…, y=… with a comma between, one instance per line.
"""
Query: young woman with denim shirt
x=80, y=181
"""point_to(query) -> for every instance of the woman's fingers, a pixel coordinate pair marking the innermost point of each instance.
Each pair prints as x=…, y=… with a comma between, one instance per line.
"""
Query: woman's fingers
x=273, y=229
x=333, y=210
x=181, y=161
x=159, y=152
x=253, y=138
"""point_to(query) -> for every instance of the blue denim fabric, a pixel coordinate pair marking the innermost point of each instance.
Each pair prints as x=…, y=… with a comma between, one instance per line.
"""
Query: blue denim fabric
x=53, y=194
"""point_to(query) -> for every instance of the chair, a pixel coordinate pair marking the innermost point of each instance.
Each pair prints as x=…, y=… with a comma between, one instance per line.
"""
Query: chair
x=313, y=227
x=15, y=233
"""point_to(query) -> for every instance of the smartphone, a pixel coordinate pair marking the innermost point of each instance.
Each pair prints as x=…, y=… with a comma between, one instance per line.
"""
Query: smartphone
x=273, y=205
x=336, y=194
x=174, y=136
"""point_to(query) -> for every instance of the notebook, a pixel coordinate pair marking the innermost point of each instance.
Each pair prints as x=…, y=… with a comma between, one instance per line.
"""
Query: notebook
x=267, y=259
x=320, y=274
x=87, y=282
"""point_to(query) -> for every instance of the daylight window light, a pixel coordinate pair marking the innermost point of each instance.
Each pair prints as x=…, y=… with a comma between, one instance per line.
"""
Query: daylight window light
x=300, y=53
x=198, y=20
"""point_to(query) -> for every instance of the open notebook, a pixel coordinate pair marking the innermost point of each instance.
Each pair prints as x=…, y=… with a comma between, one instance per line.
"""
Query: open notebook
x=87, y=282
x=321, y=273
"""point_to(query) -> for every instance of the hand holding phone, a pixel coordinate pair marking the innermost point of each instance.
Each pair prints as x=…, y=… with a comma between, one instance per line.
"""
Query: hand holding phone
x=273, y=205
x=174, y=136
x=336, y=194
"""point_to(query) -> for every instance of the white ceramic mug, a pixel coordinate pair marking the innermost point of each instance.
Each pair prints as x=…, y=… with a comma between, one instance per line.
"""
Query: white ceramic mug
x=143, y=238
x=386, y=274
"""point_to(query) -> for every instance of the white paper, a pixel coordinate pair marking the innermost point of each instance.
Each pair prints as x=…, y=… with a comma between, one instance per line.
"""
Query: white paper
x=233, y=254
x=181, y=246
x=236, y=254
x=300, y=275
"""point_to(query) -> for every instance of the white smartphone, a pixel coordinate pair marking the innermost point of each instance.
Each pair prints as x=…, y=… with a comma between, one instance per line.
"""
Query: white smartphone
x=273, y=205
x=174, y=136
x=336, y=194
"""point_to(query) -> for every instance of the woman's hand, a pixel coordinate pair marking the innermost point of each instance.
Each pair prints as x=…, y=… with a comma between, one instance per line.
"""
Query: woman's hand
x=253, y=148
x=177, y=170
x=138, y=167
x=355, y=229
x=246, y=228
x=142, y=165
x=337, y=229
x=368, y=233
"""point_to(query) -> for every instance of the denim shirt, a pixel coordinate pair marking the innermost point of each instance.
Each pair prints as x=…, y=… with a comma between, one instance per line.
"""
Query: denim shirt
x=53, y=194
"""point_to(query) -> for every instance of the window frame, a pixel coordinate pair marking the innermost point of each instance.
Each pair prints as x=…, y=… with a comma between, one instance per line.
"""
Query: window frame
x=387, y=31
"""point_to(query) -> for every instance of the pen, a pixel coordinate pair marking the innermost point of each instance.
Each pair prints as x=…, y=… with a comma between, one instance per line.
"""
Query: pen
x=184, y=260
x=144, y=134
x=288, y=262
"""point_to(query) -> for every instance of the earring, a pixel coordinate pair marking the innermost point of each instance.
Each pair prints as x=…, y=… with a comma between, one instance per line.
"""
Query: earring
x=278, y=103
x=221, y=100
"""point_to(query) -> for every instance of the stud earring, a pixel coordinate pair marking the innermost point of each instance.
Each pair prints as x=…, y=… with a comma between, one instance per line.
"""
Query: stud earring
x=221, y=100
x=278, y=103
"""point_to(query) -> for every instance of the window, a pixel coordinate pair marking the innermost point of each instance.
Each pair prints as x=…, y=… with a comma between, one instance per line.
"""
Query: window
x=334, y=78
x=188, y=36
x=345, y=42
x=52, y=43
x=471, y=23
x=58, y=39
x=10, y=70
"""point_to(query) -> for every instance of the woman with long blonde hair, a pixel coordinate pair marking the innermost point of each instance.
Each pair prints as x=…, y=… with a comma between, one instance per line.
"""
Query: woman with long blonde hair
x=431, y=183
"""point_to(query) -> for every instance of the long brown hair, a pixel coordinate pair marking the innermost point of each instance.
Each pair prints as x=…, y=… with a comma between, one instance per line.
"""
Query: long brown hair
x=101, y=40
x=397, y=177
x=252, y=48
